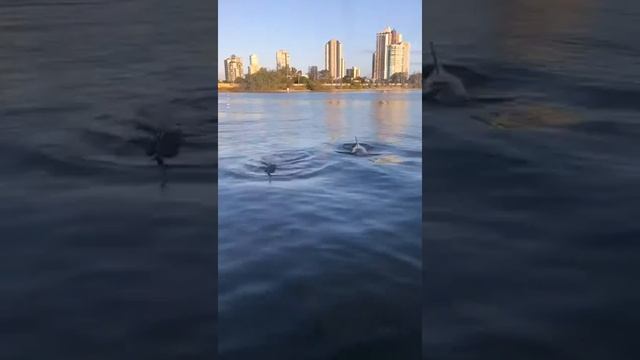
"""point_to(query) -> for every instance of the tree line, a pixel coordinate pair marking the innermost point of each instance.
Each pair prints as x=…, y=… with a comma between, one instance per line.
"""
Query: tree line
x=269, y=80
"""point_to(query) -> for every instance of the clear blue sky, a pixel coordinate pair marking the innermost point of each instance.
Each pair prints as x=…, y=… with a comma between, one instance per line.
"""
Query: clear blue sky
x=303, y=27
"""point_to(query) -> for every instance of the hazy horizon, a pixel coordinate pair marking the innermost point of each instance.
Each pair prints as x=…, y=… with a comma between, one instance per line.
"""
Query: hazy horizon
x=302, y=28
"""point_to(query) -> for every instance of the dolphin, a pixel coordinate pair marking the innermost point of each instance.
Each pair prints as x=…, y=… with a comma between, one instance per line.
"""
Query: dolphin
x=442, y=86
x=270, y=169
x=358, y=149
x=165, y=144
x=447, y=89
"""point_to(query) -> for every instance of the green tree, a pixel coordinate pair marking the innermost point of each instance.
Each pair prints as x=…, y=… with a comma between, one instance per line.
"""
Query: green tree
x=324, y=76
x=398, y=78
x=314, y=85
x=415, y=80
x=265, y=80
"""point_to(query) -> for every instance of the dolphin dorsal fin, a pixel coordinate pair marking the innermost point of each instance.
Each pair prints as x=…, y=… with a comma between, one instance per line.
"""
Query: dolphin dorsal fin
x=436, y=66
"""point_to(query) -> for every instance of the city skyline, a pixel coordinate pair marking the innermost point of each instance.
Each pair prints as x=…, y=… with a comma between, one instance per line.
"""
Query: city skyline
x=354, y=23
x=396, y=59
x=392, y=56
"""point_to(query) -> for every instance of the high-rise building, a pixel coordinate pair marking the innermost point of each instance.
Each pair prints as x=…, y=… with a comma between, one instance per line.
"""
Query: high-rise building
x=282, y=59
x=399, y=58
x=233, y=68
x=313, y=72
x=396, y=37
x=353, y=72
x=391, y=55
x=406, y=68
x=254, y=64
x=373, y=64
x=334, y=59
x=381, y=57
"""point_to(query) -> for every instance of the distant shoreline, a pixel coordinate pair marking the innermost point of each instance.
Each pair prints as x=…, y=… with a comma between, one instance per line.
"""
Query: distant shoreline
x=291, y=91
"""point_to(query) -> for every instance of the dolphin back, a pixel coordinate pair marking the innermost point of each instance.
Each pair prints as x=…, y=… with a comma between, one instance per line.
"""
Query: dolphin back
x=442, y=86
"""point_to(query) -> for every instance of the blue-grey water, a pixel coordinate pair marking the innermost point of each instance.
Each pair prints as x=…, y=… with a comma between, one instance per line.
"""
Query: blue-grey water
x=531, y=207
x=99, y=261
x=322, y=260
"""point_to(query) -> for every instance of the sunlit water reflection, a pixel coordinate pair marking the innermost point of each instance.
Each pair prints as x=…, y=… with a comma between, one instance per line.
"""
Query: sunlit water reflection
x=321, y=259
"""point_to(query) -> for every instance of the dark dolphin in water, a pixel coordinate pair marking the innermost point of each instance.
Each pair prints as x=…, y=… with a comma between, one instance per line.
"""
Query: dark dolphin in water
x=269, y=168
x=166, y=144
x=163, y=144
x=444, y=88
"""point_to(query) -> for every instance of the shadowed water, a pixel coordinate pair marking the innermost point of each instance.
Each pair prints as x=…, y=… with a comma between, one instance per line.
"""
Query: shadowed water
x=322, y=259
x=98, y=260
x=530, y=206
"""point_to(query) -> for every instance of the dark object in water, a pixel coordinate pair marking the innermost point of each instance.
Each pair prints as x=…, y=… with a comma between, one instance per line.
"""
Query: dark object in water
x=162, y=145
x=270, y=169
x=444, y=88
x=165, y=144
x=469, y=77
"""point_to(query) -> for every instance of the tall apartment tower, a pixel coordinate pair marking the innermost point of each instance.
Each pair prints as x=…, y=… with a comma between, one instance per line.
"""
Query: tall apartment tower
x=353, y=72
x=406, y=67
x=396, y=37
x=334, y=59
x=254, y=64
x=356, y=72
x=283, y=60
x=381, y=56
x=391, y=55
x=313, y=72
x=399, y=58
x=373, y=64
x=233, y=68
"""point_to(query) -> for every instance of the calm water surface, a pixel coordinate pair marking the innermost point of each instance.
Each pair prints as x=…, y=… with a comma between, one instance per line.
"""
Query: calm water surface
x=322, y=261
x=530, y=207
x=98, y=261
